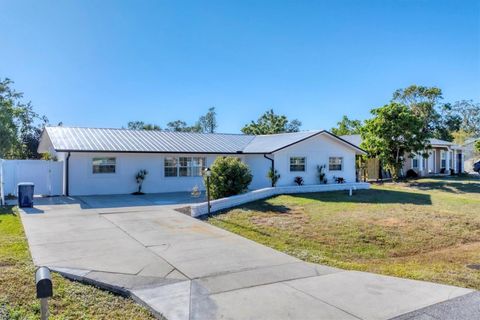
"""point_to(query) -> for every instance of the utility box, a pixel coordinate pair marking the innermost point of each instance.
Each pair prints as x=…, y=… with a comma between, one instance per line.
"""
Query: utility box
x=25, y=194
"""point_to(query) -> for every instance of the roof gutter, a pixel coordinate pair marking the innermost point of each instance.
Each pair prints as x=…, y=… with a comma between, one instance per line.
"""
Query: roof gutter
x=273, y=165
x=67, y=165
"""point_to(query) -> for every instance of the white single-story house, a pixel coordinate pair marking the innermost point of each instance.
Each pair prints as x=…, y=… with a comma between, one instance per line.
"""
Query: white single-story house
x=443, y=156
x=105, y=161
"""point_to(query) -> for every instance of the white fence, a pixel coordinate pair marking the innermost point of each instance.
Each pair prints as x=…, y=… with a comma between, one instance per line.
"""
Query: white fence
x=46, y=175
x=225, y=203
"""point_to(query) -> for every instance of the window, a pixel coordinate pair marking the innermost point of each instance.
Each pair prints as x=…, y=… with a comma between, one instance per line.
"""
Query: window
x=184, y=166
x=297, y=164
x=103, y=165
x=443, y=159
x=335, y=163
x=415, y=162
x=170, y=167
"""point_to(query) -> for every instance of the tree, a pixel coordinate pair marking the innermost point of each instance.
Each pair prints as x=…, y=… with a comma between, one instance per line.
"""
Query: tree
x=20, y=126
x=181, y=126
x=271, y=123
x=476, y=146
x=395, y=130
x=140, y=125
x=424, y=103
x=229, y=177
x=208, y=122
x=347, y=126
x=468, y=114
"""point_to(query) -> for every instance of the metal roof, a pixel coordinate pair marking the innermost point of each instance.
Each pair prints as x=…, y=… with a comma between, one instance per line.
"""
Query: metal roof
x=356, y=139
x=76, y=139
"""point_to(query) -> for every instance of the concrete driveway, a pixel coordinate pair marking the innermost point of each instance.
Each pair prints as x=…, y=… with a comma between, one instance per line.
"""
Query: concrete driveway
x=183, y=268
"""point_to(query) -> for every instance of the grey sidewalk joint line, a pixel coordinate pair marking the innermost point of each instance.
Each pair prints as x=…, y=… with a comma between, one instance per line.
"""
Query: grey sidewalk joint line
x=308, y=294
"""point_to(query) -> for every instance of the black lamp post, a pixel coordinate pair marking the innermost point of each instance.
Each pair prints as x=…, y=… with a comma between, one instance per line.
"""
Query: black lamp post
x=208, y=173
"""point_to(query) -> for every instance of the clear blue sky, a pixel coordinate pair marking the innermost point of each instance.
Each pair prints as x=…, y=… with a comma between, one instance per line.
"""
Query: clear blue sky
x=103, y=63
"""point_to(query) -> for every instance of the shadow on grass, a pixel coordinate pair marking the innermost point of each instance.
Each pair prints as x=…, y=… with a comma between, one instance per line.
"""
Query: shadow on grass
x=369, y=196
x=7, y=210
x=451, y=186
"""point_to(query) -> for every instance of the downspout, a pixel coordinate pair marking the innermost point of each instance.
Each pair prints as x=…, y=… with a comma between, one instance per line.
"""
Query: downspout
x=67, y=165
x=273, y=165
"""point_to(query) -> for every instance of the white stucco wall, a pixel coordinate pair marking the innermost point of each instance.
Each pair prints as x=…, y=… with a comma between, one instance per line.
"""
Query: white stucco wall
x=317, y=150
x=84, y=182
x=259, y=167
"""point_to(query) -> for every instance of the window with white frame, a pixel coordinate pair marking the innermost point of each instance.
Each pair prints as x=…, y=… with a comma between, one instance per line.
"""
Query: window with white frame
x=335, y=164
x=191, y=166
x=297, y=164
x=103, y=165
x=443, y=159
x=415, y=162
x=184, y=166
x=170, y=167
x=451, y=159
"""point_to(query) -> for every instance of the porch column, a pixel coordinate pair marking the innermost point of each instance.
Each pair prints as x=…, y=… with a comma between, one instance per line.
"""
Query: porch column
x=420, y=163
x=454, y=160
x=447, y=165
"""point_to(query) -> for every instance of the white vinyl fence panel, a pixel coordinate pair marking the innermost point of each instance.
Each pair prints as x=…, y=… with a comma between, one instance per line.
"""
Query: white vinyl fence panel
x=46, y=175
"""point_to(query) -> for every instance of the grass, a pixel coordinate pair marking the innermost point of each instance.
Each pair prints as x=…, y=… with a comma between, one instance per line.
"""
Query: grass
x=427, y=229
x=71, y=300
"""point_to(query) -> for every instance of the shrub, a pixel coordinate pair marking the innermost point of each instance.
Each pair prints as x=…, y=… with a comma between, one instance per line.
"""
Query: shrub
x=141, y=175
x=321, y=173
x=274, y=176
x=229, y=177
x=411, y=173
x=339, y=179
x=298, y=181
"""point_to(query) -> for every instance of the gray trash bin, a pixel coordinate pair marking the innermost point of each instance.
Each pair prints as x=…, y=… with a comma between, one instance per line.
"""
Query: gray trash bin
x=25, y=194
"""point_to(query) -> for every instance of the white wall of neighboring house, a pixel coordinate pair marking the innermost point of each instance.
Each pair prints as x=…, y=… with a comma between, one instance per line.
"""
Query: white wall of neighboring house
x=470, y=156
x=317, y=151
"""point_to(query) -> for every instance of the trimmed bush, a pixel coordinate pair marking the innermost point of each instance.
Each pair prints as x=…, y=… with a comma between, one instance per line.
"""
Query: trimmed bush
x=229, y=177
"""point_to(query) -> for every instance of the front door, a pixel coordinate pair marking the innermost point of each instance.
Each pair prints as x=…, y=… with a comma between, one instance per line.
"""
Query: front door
x=459, y=163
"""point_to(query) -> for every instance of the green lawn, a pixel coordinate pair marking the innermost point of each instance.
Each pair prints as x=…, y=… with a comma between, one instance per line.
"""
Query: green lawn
x=427, y=229
x=71, y=300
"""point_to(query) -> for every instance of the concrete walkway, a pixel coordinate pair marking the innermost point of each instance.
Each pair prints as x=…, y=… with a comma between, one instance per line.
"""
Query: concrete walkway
x=183, y=268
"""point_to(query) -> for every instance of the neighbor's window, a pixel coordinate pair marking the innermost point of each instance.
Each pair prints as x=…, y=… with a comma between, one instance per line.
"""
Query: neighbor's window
x=297, y=164
x=335, y=163
x=415, y=162
x=184, y=166
x=170, y=167
x=443, y=159
x=103, y=165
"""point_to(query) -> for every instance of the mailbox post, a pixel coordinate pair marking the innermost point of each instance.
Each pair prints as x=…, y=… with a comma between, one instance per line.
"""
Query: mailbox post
x=44, y=287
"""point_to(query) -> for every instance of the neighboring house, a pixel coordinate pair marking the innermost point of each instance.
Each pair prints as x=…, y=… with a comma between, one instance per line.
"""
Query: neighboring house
x=105, y=161
x=470, y=155
x=442, y=157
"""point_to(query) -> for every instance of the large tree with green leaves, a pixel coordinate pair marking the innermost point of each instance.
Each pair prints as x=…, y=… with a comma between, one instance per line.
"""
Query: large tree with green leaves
x=393, y=132
x=271, y=123
x=20, y=126
x=347, y=127
x=424, y=102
